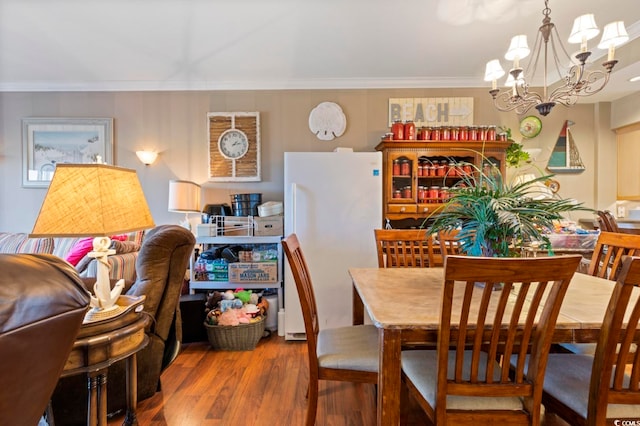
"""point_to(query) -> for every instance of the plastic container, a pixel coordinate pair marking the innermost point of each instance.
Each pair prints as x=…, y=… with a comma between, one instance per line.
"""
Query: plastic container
x=270, y=208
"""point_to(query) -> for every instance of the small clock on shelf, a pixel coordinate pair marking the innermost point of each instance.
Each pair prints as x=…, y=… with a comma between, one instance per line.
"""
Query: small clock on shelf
x=234, y=146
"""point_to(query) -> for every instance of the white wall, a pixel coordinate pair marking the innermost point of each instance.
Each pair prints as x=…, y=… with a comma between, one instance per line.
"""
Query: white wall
x=174, y=123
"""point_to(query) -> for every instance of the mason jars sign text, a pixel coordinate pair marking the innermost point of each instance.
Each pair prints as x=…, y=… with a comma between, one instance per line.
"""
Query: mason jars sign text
x=432, y=111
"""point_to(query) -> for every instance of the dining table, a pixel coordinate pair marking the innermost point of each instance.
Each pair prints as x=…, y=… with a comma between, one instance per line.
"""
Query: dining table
x=404, y=304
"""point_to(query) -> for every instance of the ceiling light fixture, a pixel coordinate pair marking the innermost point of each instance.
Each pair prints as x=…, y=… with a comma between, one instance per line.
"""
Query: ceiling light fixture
x=576, y=82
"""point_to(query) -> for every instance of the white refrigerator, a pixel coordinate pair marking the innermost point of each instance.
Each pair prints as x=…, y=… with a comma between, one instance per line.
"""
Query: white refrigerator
x=333, y=202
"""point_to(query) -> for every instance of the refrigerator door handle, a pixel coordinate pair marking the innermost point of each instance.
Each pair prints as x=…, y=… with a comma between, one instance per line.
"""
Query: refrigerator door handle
x=294, y=189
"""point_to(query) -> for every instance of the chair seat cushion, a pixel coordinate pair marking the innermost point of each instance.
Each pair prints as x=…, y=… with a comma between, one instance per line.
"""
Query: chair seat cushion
x=567, y=379
x=353, y=348
x=422, y=368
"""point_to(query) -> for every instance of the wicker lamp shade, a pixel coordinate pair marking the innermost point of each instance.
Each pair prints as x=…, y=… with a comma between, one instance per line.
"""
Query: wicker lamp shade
x=92, y=200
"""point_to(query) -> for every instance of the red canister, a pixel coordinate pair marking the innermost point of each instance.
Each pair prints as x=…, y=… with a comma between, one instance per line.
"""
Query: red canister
x=396, y=167
x=409, y=130
x=433, y=194
x=406, y=192
x=397, y=128
x=405, y=169
x=463, y=134
x=473, y=133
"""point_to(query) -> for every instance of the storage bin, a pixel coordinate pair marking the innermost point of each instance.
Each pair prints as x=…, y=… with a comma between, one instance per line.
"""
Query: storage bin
x=268, y=226
x=243, y=337
x=245, y=204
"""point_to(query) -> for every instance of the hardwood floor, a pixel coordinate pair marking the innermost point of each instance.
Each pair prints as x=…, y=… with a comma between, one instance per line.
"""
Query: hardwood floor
x=265, y=386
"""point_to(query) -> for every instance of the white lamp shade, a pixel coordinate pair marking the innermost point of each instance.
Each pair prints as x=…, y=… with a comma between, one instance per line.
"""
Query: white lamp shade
x=518, y=48
x=493, y=71
x=584, y=28
x=614, y=34
x=147, y=157
x=184, y=196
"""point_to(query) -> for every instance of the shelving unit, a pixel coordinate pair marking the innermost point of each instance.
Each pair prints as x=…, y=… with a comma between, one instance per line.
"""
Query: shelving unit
x=240, y=240
x=404, y=198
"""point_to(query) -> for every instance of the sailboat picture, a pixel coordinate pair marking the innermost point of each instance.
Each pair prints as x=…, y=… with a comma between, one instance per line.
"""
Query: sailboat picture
x=565, y=157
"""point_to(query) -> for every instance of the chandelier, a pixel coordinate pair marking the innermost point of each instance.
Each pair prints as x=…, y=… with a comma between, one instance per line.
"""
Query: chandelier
x=576, y=82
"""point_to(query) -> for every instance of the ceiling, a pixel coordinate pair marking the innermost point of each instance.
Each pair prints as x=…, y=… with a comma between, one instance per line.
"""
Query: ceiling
x=87, y=45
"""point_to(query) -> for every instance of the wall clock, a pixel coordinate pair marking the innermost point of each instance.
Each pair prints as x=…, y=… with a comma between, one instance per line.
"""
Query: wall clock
x=530, y=126
x=234, y=146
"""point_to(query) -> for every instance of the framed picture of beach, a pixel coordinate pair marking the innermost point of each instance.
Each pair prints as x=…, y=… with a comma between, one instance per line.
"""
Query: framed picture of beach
x=50, y=141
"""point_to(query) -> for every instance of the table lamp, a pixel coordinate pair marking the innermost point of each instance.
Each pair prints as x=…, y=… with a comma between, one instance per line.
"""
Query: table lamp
x=94, y=200
x=184, y=196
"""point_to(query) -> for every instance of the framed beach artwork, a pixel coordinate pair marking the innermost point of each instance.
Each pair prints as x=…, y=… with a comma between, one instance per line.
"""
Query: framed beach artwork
x=49, y=141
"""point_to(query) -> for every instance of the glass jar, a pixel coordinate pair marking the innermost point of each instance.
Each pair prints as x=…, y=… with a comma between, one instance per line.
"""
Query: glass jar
x=397, y=128
x=453, y=169
x=445, y=133
x=422, y=194
x=397, y=193
x=405, y=168
x=409, y=131
x=463, y=133
x=444, y=194
x=435, y=133
x=431, y=170
x=406, y=192
x=396, y=168
x=473, y=133
x=455, y=133
x=482, y=133
x=491, y=133
x=427, y=133
x=433, y=194
x=422, y=135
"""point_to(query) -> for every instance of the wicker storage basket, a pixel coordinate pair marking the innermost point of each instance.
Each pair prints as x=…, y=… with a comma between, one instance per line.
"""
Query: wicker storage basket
x=243, y=337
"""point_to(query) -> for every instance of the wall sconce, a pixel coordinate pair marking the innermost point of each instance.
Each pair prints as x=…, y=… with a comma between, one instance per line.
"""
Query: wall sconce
x=147, y=157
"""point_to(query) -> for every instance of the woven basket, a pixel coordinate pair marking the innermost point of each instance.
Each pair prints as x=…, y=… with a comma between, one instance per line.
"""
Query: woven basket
x=243, y=337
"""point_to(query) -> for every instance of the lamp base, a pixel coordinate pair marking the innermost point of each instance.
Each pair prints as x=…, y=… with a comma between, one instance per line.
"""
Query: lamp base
x=101, y=314
x=125, y=304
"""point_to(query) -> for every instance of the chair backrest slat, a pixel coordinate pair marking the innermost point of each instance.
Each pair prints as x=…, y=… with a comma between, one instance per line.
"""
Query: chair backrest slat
x=304, y=286
x=406, y=248
x=610, y=248
x=619, y=337
x=506, y=306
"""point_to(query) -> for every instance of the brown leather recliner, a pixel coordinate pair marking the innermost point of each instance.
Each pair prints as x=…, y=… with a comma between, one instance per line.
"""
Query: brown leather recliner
x=42, y=304
x=160, y=269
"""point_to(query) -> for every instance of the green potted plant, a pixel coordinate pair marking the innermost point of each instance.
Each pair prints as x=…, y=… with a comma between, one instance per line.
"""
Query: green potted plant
x=495, y=218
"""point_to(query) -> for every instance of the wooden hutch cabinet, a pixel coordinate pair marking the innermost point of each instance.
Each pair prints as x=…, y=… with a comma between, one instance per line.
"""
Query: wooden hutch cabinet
x=417, y=175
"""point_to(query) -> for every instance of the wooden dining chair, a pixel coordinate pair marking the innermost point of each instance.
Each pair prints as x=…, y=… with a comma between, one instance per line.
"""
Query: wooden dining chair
x=607, y=221
x=406, y=248
x=606, y=262
x=463, y=382
x=595, y=390
x=448, y=242
x=344, y=354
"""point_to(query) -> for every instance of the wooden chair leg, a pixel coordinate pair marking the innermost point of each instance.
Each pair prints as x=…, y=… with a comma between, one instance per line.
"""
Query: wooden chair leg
x=312, y=403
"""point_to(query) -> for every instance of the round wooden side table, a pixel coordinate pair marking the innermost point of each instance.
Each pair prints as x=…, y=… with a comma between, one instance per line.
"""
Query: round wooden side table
x=97, y=347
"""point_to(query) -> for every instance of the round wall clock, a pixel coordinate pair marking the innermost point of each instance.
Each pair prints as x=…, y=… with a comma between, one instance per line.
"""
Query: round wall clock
x=530, y=126
x=233, y=144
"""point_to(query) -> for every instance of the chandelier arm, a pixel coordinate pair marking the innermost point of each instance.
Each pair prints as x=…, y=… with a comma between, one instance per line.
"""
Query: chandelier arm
x=590, y=87
x=575, y=80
